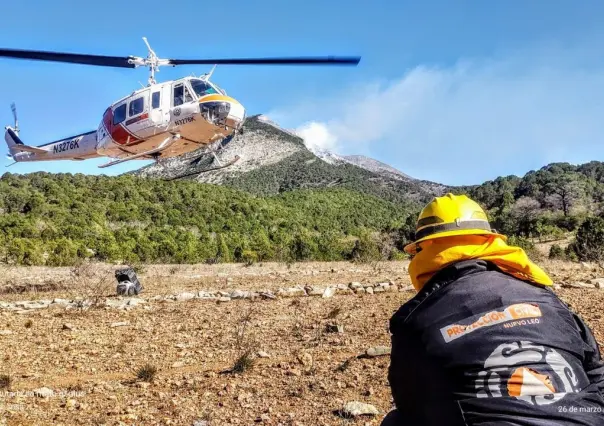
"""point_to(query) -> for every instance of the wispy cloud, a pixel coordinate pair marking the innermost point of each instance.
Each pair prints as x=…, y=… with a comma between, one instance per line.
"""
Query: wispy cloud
x=471, y=121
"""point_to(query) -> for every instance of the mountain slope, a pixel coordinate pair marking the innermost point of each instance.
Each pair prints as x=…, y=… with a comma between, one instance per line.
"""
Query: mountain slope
x=375, y=166
x=274, y=160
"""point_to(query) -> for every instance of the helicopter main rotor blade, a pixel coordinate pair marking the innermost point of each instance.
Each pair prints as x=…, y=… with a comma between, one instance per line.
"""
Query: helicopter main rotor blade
x=325, y=60
x=73, y=58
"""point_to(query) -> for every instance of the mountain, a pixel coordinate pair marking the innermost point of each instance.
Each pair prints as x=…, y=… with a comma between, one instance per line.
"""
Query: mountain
x=273, y=160
x=375, y=166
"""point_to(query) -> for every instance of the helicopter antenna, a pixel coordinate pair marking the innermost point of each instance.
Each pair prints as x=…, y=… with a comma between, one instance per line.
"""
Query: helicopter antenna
x=13, y=108
x=207, y=75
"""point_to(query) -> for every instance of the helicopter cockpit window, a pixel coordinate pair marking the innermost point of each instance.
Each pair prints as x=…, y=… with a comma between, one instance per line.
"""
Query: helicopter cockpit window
x=119, y=114
x=202, y=88
x=137, y=106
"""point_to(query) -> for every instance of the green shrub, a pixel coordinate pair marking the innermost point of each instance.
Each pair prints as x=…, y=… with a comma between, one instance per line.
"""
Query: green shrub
x=249, y=257
x=556, y=252
x=589, y=242
x=524, y=243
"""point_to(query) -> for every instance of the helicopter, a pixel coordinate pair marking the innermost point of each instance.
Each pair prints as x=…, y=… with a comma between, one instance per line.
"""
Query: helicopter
x=160, y=120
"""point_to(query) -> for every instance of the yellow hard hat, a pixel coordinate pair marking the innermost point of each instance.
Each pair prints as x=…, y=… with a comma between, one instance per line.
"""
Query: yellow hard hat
x=450, y=215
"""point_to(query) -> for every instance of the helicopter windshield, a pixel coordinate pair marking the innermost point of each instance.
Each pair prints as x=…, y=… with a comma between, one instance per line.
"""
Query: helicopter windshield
x=202, y=87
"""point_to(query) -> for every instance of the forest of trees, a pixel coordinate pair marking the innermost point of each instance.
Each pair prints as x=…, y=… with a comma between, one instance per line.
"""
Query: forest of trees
x=59, y=219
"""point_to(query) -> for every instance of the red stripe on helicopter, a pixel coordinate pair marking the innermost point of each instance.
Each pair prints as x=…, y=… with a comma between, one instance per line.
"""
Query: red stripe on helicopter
x=137, y=119
x=118, y=132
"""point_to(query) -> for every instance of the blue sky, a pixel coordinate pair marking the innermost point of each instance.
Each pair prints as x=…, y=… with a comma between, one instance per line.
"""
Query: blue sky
x=455, y=92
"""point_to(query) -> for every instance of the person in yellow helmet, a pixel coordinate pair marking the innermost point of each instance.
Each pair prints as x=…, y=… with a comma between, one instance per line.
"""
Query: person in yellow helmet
x=485, y=341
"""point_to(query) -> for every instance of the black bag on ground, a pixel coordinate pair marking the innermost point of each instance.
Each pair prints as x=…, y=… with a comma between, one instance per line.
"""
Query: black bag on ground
x=127, y=282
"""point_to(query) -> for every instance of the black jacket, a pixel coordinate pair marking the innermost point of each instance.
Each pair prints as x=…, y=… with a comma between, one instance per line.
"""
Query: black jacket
x=525, y=358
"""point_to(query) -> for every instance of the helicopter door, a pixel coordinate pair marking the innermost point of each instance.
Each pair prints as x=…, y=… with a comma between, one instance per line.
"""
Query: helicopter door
x=160, y=108
x=184, y=104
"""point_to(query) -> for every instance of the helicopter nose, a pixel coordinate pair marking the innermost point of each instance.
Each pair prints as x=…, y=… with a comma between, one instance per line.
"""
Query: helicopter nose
x=236, y=116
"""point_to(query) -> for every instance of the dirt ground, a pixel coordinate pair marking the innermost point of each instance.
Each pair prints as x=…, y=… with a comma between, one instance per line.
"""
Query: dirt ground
x=307, y=368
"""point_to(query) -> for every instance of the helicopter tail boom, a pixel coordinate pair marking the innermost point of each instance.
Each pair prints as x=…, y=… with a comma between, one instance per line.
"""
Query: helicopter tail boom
x=15, y=144
x=78, y=147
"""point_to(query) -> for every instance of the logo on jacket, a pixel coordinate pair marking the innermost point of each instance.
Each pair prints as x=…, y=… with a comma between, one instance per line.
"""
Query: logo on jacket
x=528, y=372
x=519, y=311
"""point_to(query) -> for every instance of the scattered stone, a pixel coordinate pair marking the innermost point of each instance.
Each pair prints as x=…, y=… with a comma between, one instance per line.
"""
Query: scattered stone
x=181, y=297
x=578, y=285
x=377, y=351
x=71, y=403
x=178, y=364
x=201, y=423
x=120, y=324
x=359, y=290
x=378, y=289
x=306, y=360
x=239, y=294
x=223, y=299
x=262, y=354
x=329, y=292
x=68, y=326
x=369, y=290
x=598, y=282
x=314, y=291
x=356, y=408
x=267, y=295
x=355, y=285
x=5, y=332
x=291, y=292
x=334, y=328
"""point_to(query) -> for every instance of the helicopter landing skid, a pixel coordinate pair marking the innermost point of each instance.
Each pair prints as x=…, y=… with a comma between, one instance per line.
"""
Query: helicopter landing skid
x=211, y=169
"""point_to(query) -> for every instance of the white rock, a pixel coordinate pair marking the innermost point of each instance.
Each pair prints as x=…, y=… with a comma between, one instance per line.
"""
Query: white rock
x=355, y=285
x=223, y=299
x=369, y=290
x=356, y=408
x=329, y=292
x=239, y=294
x=378, y=351
x=262, y=354
x=598, y=282
x=359, y=290
x=378, y=289
x=314, y=291
x=5, y=332
x=120, y=324
x=178, y=364
x=181, y=297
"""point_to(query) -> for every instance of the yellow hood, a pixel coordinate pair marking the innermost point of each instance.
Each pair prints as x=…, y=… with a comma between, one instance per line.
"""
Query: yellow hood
x=440, y=252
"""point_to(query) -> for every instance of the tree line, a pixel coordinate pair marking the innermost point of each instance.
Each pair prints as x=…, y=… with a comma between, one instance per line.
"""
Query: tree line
x=60, y=219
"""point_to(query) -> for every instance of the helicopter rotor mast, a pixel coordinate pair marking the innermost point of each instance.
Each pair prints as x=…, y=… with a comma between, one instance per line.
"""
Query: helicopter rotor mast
x=152, y=61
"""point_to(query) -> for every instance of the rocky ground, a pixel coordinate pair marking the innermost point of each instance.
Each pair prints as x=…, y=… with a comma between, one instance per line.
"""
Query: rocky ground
x=213, y=344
